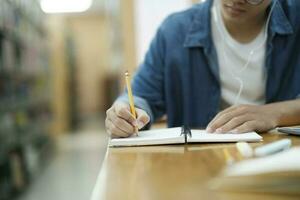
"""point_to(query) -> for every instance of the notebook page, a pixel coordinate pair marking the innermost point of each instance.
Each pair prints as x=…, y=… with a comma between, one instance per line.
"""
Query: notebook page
x=203, y=136
x=151, y=137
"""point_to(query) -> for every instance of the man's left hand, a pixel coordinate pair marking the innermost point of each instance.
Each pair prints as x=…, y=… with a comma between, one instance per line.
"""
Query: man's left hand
x=244, y=118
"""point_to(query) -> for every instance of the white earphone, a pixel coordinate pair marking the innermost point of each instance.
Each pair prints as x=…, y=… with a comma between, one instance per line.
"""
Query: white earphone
x=252, y=52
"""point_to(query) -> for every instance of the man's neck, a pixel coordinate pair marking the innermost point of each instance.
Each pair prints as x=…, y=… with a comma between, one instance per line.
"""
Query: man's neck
x=245, y=32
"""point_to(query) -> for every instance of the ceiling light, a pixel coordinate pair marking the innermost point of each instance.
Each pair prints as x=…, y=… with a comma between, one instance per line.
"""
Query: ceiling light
x=65, y=6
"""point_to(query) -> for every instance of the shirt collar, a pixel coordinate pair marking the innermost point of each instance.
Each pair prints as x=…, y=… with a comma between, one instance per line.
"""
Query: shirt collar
x=279, y=22
x=199, y=34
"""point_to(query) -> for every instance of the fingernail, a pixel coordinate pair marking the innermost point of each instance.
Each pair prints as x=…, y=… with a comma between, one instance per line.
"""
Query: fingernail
x=209, y=130
x=219, y=130
x=140, y=124
x=135, y=123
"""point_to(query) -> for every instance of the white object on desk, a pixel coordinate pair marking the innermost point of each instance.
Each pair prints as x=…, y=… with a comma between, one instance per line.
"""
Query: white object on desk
x=245, y=149
x=289, y=130
x=174, y=136
x=273, y=147
x=281, y=162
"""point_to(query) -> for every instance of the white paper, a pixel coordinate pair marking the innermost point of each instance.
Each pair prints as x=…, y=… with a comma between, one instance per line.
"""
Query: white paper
x=203, y=136
x=172, y=136
x=151, y=137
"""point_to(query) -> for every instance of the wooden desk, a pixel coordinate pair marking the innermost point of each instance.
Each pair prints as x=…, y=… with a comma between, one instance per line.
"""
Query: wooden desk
x=170, y=172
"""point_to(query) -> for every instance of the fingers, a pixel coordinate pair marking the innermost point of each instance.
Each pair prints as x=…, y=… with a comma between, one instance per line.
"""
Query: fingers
x=113, y=130
x=243, y=118
x=257, y=124
x=122, y=110
x=209, y=126
x=246, y=127
x=225, y=117
x=142, y=118
x=121, y=123
x=233, y=123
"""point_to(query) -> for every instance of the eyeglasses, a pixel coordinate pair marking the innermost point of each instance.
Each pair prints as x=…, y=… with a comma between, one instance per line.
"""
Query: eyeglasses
x=254, y=2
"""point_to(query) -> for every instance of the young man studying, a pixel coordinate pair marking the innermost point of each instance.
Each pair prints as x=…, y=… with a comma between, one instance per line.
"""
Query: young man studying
x=227, y=65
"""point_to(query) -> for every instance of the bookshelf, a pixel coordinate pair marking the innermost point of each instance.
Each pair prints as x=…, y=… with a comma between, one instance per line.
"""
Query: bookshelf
x=24, y=94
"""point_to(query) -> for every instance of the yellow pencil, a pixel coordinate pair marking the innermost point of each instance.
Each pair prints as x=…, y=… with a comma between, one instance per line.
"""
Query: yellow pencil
x=130, y=97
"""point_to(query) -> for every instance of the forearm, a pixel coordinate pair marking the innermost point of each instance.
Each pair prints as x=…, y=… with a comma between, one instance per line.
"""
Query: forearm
x=287, y=113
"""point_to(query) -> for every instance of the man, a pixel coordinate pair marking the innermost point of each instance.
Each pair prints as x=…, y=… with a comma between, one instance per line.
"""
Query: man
x=240, y=57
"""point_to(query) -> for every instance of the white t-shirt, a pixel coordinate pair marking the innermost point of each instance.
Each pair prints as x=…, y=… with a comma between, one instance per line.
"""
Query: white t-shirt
x=233, y=57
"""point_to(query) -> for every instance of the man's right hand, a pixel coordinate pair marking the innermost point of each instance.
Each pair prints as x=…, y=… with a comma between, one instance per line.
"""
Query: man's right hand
x=120, y=122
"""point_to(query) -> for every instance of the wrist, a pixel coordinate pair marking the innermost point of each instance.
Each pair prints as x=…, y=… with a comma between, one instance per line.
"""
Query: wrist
x=275, y=113
x=285, y=113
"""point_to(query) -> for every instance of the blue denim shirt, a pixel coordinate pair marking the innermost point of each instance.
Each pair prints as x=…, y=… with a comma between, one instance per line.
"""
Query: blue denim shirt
x=180, y=74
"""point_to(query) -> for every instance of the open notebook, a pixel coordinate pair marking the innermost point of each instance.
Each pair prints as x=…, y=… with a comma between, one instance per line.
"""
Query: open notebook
x=181, y=135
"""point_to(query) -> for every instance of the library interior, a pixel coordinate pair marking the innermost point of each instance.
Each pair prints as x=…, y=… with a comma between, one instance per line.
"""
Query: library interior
x=62, y=65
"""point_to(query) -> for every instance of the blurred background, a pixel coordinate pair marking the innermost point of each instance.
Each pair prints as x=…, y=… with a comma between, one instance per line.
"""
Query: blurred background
x=61, y=68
